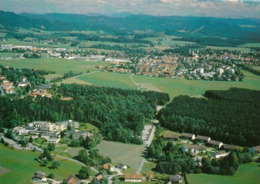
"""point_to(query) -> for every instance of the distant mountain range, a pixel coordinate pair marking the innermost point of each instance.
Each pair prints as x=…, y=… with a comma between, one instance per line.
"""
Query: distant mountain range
x=125, y=23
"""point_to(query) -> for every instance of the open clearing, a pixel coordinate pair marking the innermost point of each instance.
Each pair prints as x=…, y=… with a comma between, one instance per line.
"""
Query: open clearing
x=129, y=154
x=247, y=174
x=108, y=79
x=22, y=166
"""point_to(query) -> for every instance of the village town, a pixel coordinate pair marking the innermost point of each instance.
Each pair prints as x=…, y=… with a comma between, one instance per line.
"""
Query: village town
x=192, y=64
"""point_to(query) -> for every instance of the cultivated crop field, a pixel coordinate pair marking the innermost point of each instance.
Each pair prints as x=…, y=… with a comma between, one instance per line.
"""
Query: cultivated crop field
x=22, y=166
x=129, y=154
x=247, y=174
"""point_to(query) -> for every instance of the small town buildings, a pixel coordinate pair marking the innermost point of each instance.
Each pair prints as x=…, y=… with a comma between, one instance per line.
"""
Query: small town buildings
x=71, y=179
x=220, y=154
x=188, y=136
x=194, y=148
x=215, y=143
x=133, y=177
x=121, y=166
x=74, y=134
x=175, y=179
x=230, y=147
x=41, y=176
x=202, y=139
x=171, y=137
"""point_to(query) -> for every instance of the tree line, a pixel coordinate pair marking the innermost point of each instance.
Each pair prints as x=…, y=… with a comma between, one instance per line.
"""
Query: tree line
x=230, y=116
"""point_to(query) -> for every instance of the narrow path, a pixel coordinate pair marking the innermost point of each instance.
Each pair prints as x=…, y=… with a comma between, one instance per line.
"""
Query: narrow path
x=140, y=166
x=131, y=78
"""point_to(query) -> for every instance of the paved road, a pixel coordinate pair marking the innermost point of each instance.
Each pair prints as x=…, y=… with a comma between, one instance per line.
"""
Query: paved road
x=110, y=177
x=148, y=144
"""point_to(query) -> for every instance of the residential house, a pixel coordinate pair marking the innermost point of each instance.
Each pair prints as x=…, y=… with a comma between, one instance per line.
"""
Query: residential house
x=202, y=139
x=71, y=179
x=230, y=147
x=121, y=166
x=40, y=176
x=175, y=178
x=215, y=143
x=188, y=136
x=171, y=137
x=98, y=179
x=220, y=154
x=133, y=177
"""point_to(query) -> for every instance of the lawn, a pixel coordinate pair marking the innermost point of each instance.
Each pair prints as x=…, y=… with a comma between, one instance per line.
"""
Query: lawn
x=129, y=154
x=22, y=166
x=247, y=174
x=176, y=87
x=88, y=127
x=60, y=66
x=108, y=79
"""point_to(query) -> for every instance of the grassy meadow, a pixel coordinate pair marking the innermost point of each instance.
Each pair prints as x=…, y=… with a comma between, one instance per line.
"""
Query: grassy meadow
x=60, y=66
x=176, y=87
x=22, y=166
x=247, y=174
x=108, y=79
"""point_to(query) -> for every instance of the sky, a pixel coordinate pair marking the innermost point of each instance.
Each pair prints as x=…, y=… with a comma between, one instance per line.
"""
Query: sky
x=208, y=8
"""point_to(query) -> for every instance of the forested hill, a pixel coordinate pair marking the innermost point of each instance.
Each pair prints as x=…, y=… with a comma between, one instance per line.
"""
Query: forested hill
x=230, y=116
x=190, y=28
x=119, y=114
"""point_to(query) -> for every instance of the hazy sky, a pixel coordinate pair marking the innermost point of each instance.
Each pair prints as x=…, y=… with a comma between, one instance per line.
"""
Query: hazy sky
x=212, y=8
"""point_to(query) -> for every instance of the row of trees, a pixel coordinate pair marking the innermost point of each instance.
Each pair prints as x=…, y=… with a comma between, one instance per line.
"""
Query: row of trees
x=233, y=120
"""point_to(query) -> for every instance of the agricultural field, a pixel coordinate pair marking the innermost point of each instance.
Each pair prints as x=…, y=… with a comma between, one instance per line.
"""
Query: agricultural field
x=129, y=154
x=247, y=174
x=60, y=66
x=22, y=166
x=176, y=87
x=242, y=49
x=108, y=79
x=3, y=170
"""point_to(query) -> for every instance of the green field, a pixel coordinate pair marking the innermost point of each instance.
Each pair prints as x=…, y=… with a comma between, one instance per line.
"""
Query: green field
x=22, y=166
x=60, y=66
x=247, y=174
x=176, y=87
x=129, y=154
x=108, y=79
x=8, y=54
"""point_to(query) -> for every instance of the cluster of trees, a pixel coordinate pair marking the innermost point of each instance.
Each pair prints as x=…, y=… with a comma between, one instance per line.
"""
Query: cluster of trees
x=170, y=158
x=250, y=69
x=35, y=77
x=92, y=157
x=88, y=142
x=119, y=114
x=227, y=165
x=65, y=76
x=222, y=116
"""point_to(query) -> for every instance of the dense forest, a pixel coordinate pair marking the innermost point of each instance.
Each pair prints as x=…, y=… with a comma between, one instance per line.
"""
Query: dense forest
x=230, y=116
x=216, y=31
x=120, y=114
